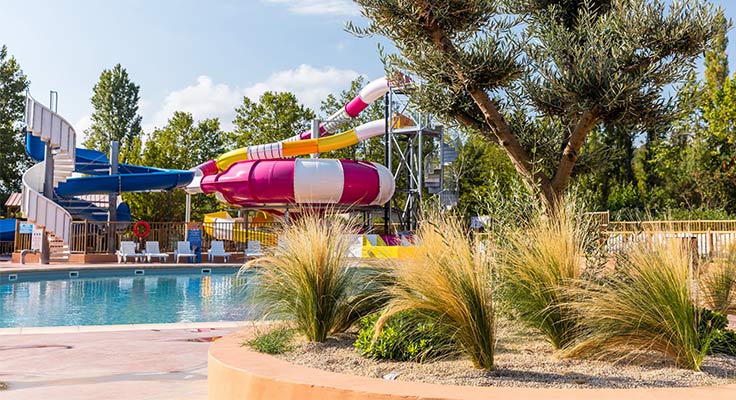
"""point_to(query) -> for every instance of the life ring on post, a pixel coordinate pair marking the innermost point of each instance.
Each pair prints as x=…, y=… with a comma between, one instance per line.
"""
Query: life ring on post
x=141, y=233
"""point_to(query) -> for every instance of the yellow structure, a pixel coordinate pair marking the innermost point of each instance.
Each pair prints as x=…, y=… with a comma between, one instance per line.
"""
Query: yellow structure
x=222, y=226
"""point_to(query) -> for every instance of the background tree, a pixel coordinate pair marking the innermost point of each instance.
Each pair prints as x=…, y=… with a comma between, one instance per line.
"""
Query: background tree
x=181, y=144
x=576, y=65
x=687, y=168
x=115, y=101
x=275, y=116
x=370, y=150
x=13, y=159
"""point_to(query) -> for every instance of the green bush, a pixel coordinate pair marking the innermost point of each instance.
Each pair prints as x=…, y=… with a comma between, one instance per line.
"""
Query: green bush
x=404, y=337
x=711, y=320
x=723, y=342
x=275, y=341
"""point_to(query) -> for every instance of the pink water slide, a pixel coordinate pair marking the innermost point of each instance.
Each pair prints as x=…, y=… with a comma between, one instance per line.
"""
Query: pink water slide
x=236, y=178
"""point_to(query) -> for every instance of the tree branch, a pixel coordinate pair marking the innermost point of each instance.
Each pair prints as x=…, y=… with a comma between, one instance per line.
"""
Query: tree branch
x=572, y=150
x=474, y=123
x=494, y=119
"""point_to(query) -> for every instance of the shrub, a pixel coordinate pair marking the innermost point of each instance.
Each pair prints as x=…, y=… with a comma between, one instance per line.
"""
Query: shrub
x=275, y=341
x=448, y=281
x=646, y=305
x=404, y=337
x=723, y=342
x=718, y=285
x=308, y=278
x=540, y=262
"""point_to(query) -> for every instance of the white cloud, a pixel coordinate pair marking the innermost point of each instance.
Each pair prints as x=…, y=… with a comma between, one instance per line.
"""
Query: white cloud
x=207, y=99
x=319, y=7
x=82, y=125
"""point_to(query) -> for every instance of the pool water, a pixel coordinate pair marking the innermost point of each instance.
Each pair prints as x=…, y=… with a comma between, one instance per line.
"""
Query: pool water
x=125, y=300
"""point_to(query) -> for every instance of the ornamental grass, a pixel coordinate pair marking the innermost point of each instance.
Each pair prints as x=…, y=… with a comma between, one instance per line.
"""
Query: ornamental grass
x=541, y=260
x=448, y=282
x=310, y=280
x=648, y=304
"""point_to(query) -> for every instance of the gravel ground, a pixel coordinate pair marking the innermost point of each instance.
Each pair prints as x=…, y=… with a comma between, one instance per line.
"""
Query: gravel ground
x=522, y=359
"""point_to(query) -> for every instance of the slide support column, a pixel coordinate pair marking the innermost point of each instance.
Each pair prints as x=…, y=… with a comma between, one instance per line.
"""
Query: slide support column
x=112, y=198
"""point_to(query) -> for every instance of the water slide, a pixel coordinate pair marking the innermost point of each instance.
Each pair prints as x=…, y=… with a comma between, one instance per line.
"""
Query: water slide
x=55, y=214
x=266, y=174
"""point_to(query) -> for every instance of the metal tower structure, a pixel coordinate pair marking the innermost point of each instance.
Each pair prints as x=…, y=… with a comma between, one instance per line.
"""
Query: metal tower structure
x=415, y=157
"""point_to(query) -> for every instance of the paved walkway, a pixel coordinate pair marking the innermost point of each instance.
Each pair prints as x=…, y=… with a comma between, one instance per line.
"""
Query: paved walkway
x=151, y=364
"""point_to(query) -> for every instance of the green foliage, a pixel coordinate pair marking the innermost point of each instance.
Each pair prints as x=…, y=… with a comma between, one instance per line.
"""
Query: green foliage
x=371, y=150
x=482, y=173
x=13, y=159
x=541, y=262
x=714, y=324
x=646, y=305
x=274, y=341
x=723, y=342
x=500, y=67
x=181, y=144
x=276, y=116
x=115, y=101
x=404, y=337
x=449, y=282
x=307, y=278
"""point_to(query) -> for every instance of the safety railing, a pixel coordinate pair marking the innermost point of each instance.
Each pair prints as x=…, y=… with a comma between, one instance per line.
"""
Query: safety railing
x=95, y=237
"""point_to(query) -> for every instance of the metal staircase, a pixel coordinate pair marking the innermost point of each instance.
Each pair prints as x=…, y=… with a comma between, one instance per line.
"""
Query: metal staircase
x=37, y=208
x=433, y=179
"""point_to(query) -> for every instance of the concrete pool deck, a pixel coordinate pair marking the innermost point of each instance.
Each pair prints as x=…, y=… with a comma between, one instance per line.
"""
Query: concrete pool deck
x=167, y=361
x=7, y=267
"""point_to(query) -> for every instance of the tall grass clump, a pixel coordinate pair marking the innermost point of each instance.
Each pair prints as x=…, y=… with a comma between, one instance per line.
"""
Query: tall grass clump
x=718, y=285
x=541, y=260
x=308, y=278
x=449, y=283
x=647, y=304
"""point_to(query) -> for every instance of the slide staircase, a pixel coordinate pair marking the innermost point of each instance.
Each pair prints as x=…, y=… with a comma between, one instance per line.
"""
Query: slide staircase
x=38, y=209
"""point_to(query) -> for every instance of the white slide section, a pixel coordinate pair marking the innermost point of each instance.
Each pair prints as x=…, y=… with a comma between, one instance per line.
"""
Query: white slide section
x=38, y=209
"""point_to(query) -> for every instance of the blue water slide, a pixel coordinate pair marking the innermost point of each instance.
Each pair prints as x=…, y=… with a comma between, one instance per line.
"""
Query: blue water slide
x=7, y=230
x=97, y=180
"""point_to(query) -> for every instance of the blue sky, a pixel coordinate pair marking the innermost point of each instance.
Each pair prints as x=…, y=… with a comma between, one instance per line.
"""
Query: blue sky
x=195, y=56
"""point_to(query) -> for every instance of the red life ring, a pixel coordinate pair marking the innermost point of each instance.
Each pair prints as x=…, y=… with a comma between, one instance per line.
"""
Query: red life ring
x=138, y=232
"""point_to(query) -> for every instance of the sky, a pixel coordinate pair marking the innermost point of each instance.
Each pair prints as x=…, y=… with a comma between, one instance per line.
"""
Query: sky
x=196, y=56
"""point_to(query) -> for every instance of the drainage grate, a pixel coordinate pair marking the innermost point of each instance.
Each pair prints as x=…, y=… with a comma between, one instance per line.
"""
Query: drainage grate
x=74, y=274
x=140, y=272
x=12, y=277
x=206, y=271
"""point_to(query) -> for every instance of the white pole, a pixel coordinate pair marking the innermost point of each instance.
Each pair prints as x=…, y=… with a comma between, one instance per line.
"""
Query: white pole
x=188, y=213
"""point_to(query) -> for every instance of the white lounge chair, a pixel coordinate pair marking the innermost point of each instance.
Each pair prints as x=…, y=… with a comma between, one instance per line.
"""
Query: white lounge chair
x=217, y=249
x=127, y=249
x=153, y=251
x=184, y=250
x=253, y=249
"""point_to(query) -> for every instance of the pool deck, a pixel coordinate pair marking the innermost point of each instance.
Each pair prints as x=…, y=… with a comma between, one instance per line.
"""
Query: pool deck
x=168, y=361
x=7, y=267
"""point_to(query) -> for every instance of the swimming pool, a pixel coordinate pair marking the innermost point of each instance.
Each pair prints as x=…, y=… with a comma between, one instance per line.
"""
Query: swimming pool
x=162, y=296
